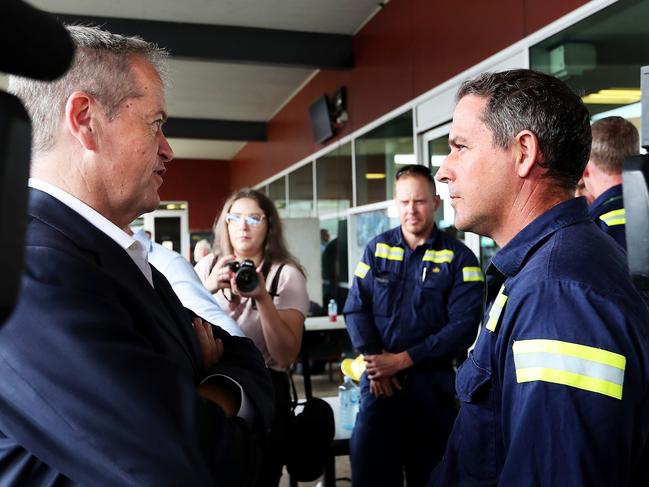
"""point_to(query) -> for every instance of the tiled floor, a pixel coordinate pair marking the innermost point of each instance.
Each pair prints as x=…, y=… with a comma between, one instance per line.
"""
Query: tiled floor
x=323, y=387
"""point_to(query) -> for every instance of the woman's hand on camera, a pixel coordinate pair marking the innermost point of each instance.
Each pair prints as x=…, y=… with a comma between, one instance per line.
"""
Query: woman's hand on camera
x=220, y=275
x=259, y=292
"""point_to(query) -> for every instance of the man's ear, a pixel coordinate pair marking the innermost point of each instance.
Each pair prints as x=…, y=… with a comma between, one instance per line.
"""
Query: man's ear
x=80, y=119
x=436, y=202
x=528, y=153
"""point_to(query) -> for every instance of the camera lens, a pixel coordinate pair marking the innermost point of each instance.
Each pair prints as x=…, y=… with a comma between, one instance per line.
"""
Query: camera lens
x=246, y=277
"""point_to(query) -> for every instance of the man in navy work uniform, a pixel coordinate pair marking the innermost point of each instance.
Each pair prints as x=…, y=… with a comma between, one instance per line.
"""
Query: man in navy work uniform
x=614, y=139
x=414, y=306
x=556, y=390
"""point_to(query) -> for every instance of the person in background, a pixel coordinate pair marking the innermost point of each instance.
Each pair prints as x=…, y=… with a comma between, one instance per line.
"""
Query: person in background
x=104, y=379
x=414, y=307
x=249, y=228
x=201, y=249
x=186, y=284
x=614, y=139
x=556, y=389
x=324, y=239
x=582, y=191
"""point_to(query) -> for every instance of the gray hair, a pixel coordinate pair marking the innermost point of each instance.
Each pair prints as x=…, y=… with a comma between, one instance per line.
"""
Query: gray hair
x=523, y=99
x=100, y=68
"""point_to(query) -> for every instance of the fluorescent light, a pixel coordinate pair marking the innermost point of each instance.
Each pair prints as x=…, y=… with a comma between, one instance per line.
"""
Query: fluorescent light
x=375, y=175
x=403, y=159
x=616, y=96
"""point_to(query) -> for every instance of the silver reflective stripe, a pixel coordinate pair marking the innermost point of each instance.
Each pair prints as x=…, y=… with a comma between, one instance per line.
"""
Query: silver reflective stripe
x=567, y=363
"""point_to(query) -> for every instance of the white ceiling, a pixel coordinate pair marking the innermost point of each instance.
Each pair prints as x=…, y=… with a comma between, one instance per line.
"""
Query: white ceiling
x=244, y=92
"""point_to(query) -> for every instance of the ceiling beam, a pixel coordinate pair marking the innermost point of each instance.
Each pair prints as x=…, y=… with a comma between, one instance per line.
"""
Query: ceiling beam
x=233, y=44
x=200, y=128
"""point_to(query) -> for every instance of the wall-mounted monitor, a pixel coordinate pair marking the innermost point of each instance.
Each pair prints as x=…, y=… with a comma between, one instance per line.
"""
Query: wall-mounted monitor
x=321, y=119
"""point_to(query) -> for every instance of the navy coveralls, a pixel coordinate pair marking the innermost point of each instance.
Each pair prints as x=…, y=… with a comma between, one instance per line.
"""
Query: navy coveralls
x=607, y=211
x=427, y=302
x=556, y=390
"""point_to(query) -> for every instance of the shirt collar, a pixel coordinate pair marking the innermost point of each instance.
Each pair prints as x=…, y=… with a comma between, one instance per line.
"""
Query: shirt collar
x=611, y=192
x=509, y=260
x=95, y=218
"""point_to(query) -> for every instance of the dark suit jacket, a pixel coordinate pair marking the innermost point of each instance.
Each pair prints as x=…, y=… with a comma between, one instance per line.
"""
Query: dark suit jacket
x=98, y=372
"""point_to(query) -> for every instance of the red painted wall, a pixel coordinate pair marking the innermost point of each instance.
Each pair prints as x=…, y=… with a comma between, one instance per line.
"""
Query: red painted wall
x=204, y=184
x=408, y=48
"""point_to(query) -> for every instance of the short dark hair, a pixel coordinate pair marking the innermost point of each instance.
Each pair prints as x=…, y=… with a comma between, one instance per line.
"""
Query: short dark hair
x=523, y=99
x=614, y=139
x=416, y=170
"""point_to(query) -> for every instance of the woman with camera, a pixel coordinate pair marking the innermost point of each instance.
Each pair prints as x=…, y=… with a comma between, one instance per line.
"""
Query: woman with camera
x=255, y=278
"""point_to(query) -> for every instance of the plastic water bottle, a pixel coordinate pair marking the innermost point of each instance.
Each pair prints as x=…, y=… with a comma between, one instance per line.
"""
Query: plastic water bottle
x=332, y=310
x=348, y=396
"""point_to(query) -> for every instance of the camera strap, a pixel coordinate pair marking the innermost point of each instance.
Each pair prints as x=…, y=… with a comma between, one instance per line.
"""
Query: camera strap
x=273, y=286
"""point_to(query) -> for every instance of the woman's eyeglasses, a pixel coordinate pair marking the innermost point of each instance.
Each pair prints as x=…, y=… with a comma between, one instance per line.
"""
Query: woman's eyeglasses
x=252, y=220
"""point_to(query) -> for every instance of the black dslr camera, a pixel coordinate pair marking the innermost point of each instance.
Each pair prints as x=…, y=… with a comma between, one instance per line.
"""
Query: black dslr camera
x=245, y=275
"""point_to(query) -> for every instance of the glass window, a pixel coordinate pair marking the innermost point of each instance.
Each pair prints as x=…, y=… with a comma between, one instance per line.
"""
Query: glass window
x=365, y=226
x=334, y=180
x=300, y=191
x=277, y=193
x=600, y=58
x=378, y=156
x=333, y=248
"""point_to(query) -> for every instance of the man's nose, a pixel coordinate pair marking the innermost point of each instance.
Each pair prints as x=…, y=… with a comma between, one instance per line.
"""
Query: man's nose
x=165, y=151
x=443, y=173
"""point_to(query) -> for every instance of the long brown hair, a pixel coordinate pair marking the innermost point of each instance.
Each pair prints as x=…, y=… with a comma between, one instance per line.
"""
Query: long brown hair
x=274, y=247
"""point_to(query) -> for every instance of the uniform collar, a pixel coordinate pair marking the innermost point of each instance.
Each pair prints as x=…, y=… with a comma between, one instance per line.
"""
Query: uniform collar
x=427, y=243
x=601, y=200
x=509, y=260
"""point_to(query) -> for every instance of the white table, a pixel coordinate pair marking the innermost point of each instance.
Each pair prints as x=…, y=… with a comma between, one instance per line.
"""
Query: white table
x=341, y=433
x=322, y=323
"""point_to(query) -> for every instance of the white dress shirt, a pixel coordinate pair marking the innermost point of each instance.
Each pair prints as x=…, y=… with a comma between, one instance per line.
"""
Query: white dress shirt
x=133, y=248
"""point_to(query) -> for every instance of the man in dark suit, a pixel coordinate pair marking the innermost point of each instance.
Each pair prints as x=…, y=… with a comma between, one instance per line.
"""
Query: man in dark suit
x=104, y=381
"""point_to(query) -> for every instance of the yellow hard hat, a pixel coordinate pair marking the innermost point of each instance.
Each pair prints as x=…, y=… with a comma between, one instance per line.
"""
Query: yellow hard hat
x=353, y=368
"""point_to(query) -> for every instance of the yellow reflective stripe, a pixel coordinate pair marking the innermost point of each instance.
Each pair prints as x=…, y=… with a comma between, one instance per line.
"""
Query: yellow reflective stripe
x=579, y=381
x=384, y=251
x=472, y=274
x=361, y=270
x=438, y=256
x=496, y=309
x=580, y=366
x=573, y=349
x=615, y=217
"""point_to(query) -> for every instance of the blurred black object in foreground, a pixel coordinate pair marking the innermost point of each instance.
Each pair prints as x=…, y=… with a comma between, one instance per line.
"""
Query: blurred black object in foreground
x=34, y=45
x=635, y=177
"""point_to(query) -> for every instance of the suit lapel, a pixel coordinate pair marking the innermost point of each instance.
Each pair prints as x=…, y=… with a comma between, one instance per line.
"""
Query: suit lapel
x=161, y=304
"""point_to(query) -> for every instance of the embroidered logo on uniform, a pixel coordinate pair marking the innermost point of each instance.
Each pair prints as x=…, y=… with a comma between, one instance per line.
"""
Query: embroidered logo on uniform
x=570, y=364
x=496, y=309
x=435, y=269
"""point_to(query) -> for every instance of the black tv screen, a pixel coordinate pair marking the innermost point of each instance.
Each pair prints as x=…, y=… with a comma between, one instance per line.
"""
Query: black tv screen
x=321, y=120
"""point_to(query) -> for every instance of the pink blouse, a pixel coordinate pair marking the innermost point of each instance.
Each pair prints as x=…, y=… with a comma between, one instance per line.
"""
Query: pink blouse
x=291, y=291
